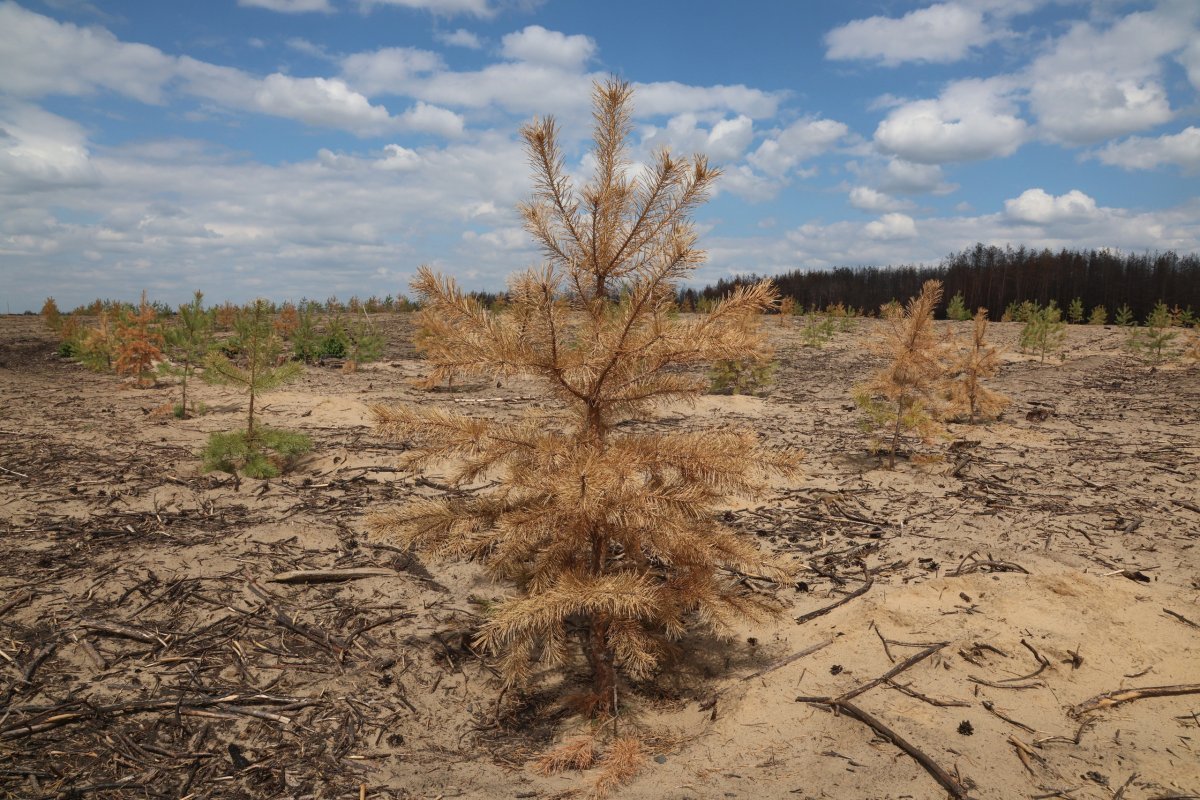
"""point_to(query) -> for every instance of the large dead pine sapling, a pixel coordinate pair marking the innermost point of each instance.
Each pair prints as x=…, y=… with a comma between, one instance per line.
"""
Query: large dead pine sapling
x=609, y=537
x=903, y=396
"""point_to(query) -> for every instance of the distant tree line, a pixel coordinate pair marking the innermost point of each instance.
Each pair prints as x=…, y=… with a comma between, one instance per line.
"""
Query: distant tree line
x=994, y=278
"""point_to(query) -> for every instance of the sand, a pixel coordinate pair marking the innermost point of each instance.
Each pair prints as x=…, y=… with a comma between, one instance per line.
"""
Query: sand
x=1053, y=552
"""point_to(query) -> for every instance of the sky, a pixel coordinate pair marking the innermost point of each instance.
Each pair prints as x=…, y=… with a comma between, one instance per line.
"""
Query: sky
x=309, y=148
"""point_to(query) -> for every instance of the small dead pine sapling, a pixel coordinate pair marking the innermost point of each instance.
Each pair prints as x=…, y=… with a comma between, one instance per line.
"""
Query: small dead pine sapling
x=609, y=534
x=903, y=396
x=139, y=343
x=974, y=361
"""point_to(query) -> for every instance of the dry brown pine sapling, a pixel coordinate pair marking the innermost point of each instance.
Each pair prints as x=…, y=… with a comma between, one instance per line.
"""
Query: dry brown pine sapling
x=609, y=537
x=903, y=396
x=139, y=343
x=974, y=361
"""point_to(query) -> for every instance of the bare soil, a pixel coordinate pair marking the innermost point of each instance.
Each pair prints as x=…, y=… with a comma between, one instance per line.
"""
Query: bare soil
x=1042, y=560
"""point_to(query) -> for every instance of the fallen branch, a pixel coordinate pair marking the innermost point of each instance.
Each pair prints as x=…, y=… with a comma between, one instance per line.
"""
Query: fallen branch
x=990, y=565
x=783, y=662
x=331, y=575
x=1119, y=696
x=122, y=631
x=820, y=612
x=842, y=704
x=121, y=709
x=1181, y=618
x=948, y=782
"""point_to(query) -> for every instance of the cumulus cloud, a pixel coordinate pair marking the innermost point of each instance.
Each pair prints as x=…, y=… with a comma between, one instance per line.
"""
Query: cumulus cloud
x=398, y=158
x=890, y=227
x=40, y=150
x=726, y=140
x=800, y=141
x=1038, y=207
x=290, y=6
x=319, y=101
x=671, y=97
x=459, y=38
x=905, y=177
x=1093, y=84
x=389, y=70
x=441, y=8
x=865, y=198
x=42, y=56
x=970, y=120
x=542, y=46
x=425, y=118
x=1180, y=149
x=940, y=33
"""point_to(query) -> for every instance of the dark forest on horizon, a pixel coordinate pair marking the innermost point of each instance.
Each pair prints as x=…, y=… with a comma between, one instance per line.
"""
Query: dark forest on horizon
x=994, y=278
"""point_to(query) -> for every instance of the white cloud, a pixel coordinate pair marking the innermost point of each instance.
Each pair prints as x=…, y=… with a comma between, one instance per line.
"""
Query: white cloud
x=747, y=184
x=800, y=141
x=41, y=56
x=1093, y=84
x=441, y=8
x=541, y=46
x=671, y=97
x=389, y=70
x=890, y=227
x=1190, y=59
x=972, y=119
x=425, y=118
x=725, y=141
x=40, y=150
x=320, y=101
x=865, y=198
x=290, y=6
x=398, y=158
x=1086, y=107
x=1181, y=149
x=1038, y=207
x=905, y=177
x=940, y=33
x=459, y=38
x=516, y=87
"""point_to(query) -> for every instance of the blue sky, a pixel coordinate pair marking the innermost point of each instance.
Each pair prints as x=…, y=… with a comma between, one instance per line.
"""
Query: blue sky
x=291, y=148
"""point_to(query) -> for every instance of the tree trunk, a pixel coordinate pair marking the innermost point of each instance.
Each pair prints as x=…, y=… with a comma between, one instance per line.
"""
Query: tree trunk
x=604, y=676
x=250, y=423
x=896, y=434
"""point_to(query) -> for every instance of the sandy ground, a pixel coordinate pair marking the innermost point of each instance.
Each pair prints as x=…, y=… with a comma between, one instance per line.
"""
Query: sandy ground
x=1046, y=559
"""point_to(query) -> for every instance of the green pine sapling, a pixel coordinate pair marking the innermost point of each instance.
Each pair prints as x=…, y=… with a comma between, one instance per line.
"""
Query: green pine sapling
x=1153, y=342
x=1044, y=331
x=1075, y=311
x=188, y=342
x=258, y=452
x=956, y=309
x=364, y=343
x=1099, y=316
